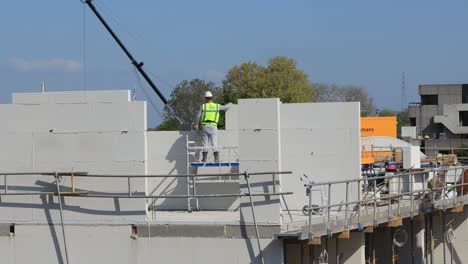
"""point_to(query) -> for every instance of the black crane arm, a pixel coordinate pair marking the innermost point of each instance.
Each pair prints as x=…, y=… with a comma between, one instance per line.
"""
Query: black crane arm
x=138, y=65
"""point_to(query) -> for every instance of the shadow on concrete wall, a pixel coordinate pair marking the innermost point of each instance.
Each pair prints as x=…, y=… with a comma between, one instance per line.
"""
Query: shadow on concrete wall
x=171, y=185
x=455, y=221
x=177, y=157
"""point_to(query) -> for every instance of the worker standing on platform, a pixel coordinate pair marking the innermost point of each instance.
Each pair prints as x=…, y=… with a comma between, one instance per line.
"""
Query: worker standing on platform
x=208, y=117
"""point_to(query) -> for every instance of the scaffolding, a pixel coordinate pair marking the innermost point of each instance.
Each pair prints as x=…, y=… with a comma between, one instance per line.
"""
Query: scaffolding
x=413, y=194
x=192, y=150
x=89, y=194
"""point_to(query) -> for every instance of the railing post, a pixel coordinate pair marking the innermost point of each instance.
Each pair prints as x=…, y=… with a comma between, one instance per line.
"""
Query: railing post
x=6, y=184
x=309, y=191
x=359, y=202
x=375, y=207
x=346, y=207
x=462, y=189
x=59, y=198
x=411, y=175
x=399, y=195
x=129, y=187
x=328, y=210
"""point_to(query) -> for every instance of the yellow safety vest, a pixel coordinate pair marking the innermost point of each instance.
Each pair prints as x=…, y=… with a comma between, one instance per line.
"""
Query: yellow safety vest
x=210, y=114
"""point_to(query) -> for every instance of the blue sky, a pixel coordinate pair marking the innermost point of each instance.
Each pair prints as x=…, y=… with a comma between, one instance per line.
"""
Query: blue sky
x=367, y=43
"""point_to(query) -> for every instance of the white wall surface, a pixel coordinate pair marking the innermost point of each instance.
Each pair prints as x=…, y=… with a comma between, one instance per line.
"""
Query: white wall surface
x=260, y=151
x=167, y=154
x=61, y=132
x=112, y=244
x=322, y=141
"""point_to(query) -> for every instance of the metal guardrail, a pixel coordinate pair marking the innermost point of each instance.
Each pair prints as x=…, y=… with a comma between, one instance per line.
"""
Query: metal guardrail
x=59, y=193
x=436, y=193
x=129, y=177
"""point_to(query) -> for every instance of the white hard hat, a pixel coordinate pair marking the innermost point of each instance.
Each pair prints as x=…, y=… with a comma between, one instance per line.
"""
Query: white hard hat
x=208, y=94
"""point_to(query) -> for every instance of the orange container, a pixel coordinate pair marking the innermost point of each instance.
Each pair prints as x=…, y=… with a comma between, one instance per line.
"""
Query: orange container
x=385, y=126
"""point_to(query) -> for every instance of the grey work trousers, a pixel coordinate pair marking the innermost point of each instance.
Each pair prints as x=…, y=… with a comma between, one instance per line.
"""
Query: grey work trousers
x=209, y=137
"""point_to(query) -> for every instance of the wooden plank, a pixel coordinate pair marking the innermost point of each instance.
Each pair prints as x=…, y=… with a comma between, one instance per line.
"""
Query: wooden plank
x=394, y=223
x=343, y=235
x=458, y=209
x=369, y=229
x=315, y=241
x=419, y=217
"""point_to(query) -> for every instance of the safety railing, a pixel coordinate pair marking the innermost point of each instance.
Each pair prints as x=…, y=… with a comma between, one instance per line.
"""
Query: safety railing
x=58, y=176
x=441, y=187
x=74, y=175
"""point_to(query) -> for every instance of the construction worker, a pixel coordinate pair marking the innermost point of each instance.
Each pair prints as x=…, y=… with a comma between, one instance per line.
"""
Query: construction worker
x=208, y=117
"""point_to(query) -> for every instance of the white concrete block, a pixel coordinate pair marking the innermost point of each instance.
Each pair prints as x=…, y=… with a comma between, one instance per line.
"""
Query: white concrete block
x=322, y=141
x=259, y=113
x=72, y=97
x=259, y=148
x=411, y=157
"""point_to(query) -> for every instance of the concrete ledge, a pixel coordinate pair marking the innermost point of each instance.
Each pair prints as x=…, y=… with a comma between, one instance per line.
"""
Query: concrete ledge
x=222, y=231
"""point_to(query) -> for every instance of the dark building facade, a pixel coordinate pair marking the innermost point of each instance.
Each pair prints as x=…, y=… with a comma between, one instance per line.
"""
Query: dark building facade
x=441, y=116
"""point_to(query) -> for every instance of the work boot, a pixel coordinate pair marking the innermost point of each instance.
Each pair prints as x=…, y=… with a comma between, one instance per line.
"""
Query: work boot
x=216, y=156
x=204, y=157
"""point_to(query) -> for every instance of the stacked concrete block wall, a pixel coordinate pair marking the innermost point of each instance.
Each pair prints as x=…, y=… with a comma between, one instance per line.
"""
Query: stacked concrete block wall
x=321, y=141
x=260, y=151
x=94, y=132
x=113, y=244
x=167, y=154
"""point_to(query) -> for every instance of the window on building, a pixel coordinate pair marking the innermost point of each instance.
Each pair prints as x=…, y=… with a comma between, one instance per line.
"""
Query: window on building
x=412, y=121
x=465, y=94
x=430, y=99
x=463, y=117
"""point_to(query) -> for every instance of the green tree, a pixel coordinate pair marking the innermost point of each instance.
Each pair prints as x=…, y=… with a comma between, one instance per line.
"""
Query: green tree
x=280, y=78
x=347, y=93
x=186, y=99
x=387, y=112
x=402, y=120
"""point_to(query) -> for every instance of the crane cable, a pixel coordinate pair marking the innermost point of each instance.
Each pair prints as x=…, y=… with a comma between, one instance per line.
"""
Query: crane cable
x=84, y=45
x=140, y=85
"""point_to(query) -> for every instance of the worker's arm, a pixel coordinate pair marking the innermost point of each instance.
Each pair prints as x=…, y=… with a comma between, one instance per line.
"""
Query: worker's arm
x=197, y=119
x=225, y=107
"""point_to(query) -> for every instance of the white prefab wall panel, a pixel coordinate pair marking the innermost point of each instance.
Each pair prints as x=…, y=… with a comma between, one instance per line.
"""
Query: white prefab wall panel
x=321, y=141
x=64, y=118
x=411, y=157
x=112, y=244
x=167, y=154
x=259, y=148
x=63, y=133
x=72, y=97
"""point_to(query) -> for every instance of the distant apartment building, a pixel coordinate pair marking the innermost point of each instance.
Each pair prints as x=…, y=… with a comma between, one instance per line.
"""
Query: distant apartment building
x=441, y=117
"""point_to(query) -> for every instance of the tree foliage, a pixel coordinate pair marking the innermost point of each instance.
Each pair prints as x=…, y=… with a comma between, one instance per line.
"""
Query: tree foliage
x=387, y=112
x=280, y=78
x=186, y=99
x=349, y=93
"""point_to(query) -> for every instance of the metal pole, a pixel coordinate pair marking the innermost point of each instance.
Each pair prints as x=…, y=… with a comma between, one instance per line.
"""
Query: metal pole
x=399, y=195
x=6, y=185
x=310, y=211
x=328, y=210
x=411, y=194
x=346, y=208
x=359, y=203
x=129, y=188
x=246, y=175
x=61, y=217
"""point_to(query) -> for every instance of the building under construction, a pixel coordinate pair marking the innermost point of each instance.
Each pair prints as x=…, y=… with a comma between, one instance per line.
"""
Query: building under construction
x=85, y=182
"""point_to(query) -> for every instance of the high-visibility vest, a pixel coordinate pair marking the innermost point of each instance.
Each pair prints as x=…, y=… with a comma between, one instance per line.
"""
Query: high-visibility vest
x=210, y=113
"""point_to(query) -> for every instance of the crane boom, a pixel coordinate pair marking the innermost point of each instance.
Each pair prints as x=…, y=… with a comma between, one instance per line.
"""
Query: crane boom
x=138, y=65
